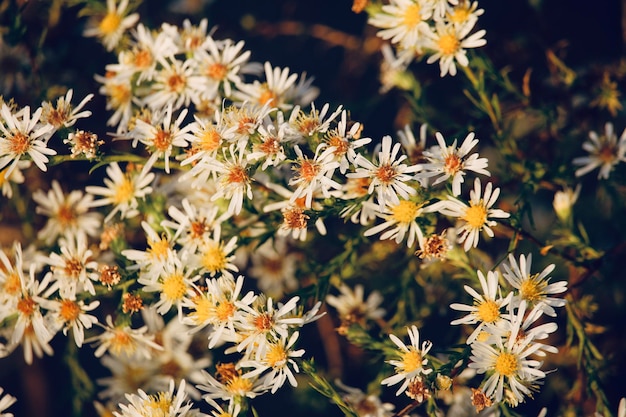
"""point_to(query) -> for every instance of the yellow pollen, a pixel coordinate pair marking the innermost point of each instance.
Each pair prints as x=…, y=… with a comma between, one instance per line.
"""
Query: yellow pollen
x=203, y=309
x=340, y=144
x=73, y=268
x=174, y=287
x=217, y=71
x=158, y=248
x=214, y=258
x=385, y=174
x=308, y=124
x=176, y=83
x=448, y=44
x=263, y=322
x=411, y=361
x=162, y=140
x=405, y=212
x=12, y=284
x=488, y=311
x=412, y=15
x=308, y=170
x=120, y=95
x=124, y=191
x=121, y=342
x=267, y=95
x=160, y=404
x=531, y=289
x=27, y=306
x=66, y=215
x=270, y=146
x=210, y=139
x=237, y=175
x=198, y=228
x=19, y=143
x=143, y=59
x=69, y=310
x=295, y=218
x=239, y=385
x=506, y=364
x=110, y=23
x=276, y=356
x=459, y=15
x=224, y=310
x=476, y=215
x=452, y=164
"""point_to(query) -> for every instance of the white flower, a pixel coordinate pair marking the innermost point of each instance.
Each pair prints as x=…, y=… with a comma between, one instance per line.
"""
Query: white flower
x=216, y=257
x=193, y=224
x=400, y=221
x=112, y=27
x=158, y=252
x=123, y=190
x=486, y=307
x=476, y=216
x=274, y=267
x=345, y=142
x=564, y=201
x=351, y=306
x=605, y=151
x=234, y=179
x=6, y=401
x=117, y=89
x=276, y=358
x=68, y=313
x=165, y=404
x=270, y=145
x=452, y=162
x=273, y=92
x=63, y=114
x=68, y=215
x=176, y=84
x=535, y=289
x=403, y=21
x=21, y=136
x=412, y=360
x=314, y=175
x=389, y=175
x=450, y=42
x=314, y=122
x=13, y=177
x=124, y=341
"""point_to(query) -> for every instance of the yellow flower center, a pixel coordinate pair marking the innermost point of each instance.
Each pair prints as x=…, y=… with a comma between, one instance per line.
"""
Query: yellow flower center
x=69, y=310
x=110, y=23
x=412, y=15
x=19, y=143
x=174, y=287
x=73, y=268
x=143, y=59
x=12, y=284
x=295, y=218
x=120, y=95
x=506, y=364
x=263, y=322
x=385, y=174
x=214, y=258
x=237, y=175
x=607, y=154
x=308, y=170
x=203, y=309
x=276, y=356
x=405, y=212
x=488, y=311
x=162, y=140
x=341, y=145
x=476, y=215
x=158, y=248
x=239, y=386
x=532, y=290
x=217, y=71
x=26, y=306
x=411, y=361
x=66, y=215
x=452, y=164
x=124, y=191
x=459, y=15
x=267, y=95
x=448, y=44
x=159, y=405
x=224, y=310
x=122, y=342
x=210, y=139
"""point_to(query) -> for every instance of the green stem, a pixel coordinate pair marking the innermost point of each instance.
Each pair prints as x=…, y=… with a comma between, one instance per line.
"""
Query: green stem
x=488, y=106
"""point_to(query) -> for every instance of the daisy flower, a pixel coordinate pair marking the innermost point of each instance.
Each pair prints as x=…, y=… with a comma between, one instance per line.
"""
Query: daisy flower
x=274, y=267
x=314, y=174
x=564, y=202
x=278, y=359
x=119, y=96
x=21, y=134
x=176, y=84
x=605, y=152
x=74, y=270
x=68, y=215
x=229, y=385
x=71, y=314
x=123, y=341
x=7, y=179
x=123, y=190
x=403, y=21
x=412, y=147
x=465, y=13
x=159, y=251
x=507, y=365
x=215, y=256
x=234, y=179
x=6, y=401
x=192, y=225
x=112, y=27
x=487, y=306
x=365, y=405
x=345, y=142
x=412, y=361
x=400, y=220
x=476, y=216
x=451, y=162
x=389, y=176
x=221, y=63
x=63, y=114
x=166, y=404
x=161, y=136
x=449, y=43
x=535, y=289
x=353, y=308
x=272, y=92
x=314, y=122
x=83, y=143
x=269, y=146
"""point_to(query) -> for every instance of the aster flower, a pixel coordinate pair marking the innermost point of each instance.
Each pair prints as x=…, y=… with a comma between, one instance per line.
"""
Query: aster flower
x=71, y=314
x=400, y=221
x=216, y=256
x=192, y=225
x=353, y=308
x=605, y=152
x=230, y=385
x=403, y=21
x=389, y=175
x=314, y=175
x=159, y=251
x=476, y=216
x=507, y=365
x=277, y=358
x=273, y=92
x=412, y=147
x=176, y=84
x=412, y=362
x=449, y=43
x=15, y=176
x=123, y=190
x=345, y=142
x=269, y=146
x=451, y=162
x=315, y=122
x=124, y=341
x=273, y=265
x=234, y=179
x=166, y=404
x=535, y=289
x=68, y=215
x=63, y=114
x=486, y=308
x=113, y=25
x=119, y=94
x=20, y=135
